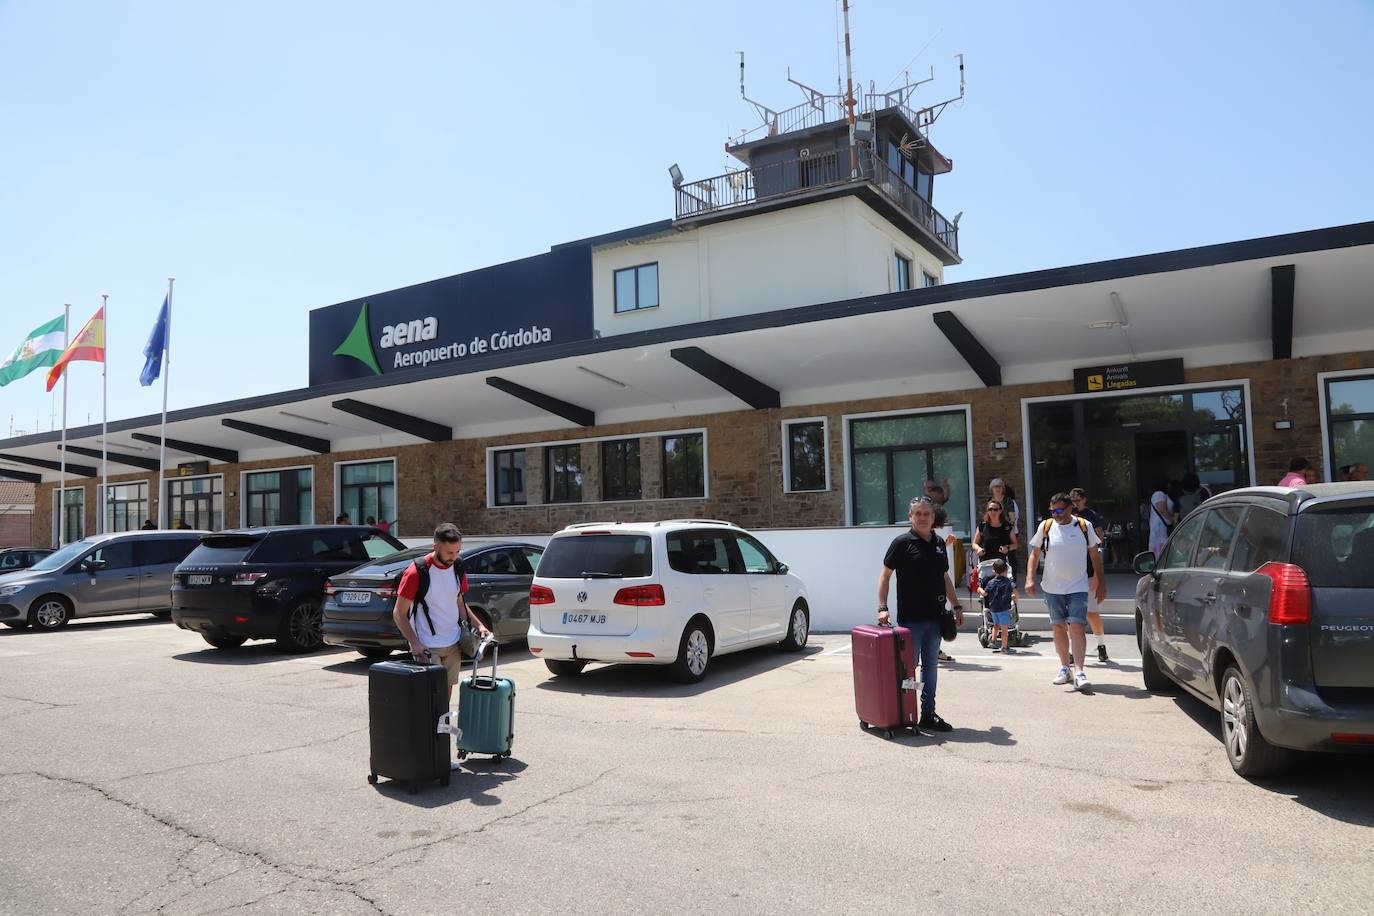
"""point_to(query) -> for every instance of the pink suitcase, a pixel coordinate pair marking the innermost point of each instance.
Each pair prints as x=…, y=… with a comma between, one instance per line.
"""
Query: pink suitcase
x=886, y=692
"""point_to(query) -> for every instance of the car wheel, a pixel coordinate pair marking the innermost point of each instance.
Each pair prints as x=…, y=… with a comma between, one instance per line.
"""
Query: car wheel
x=1249, y=753
x=302, y=628
x=798, y=629
x=693, y=653
x=376, y=653
x=224, y=642
x=561, y=668
x=1151, y=674
x=51, y=612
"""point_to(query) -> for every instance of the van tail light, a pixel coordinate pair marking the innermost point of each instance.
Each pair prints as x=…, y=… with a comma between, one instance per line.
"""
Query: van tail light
x=641, y=596
x=541, y=594
x=247, y=578
x=1291, y=600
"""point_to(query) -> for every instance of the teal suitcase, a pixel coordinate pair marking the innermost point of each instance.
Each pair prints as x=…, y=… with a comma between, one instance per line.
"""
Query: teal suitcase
x=486, y=712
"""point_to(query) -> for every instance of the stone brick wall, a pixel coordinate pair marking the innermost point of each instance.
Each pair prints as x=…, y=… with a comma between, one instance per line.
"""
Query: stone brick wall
x=447, y=481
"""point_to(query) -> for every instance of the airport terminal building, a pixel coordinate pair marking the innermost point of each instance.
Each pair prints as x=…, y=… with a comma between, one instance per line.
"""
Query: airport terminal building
x=782, y=352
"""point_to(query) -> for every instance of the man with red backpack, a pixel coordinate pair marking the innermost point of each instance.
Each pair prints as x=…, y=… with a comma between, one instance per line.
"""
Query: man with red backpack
x=430, y=609
x=1065, y=581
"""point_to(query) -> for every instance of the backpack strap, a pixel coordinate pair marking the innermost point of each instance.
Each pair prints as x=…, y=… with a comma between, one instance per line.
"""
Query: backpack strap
x=422, y=589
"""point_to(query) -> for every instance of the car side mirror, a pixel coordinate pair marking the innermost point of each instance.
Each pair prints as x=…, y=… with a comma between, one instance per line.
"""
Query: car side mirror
x=1145, y=563
x=783, y=569
x=94, y=566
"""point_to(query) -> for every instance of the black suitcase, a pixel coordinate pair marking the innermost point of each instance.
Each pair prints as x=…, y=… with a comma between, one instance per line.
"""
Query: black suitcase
x=405, y=702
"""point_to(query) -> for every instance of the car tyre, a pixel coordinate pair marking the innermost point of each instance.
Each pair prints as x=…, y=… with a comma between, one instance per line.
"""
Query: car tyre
x=798, y=629
x=563, y=668
x=302, y=630
x=224, y=642
x=1153, y=676
x=693, y=653
x=375, y=653
x=51, y=612
x=1250, y=754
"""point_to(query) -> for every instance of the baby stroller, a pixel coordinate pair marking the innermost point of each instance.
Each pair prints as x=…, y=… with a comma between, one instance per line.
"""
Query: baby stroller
x=1017, y=637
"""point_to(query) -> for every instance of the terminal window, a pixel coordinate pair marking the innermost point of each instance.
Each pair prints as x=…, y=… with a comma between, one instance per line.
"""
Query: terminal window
x=620, y=477
x=636, y=288
x=684, y=468
x=901, y=273
x=508, y=471
x=73, y=511
x=1350, y=421
x=564, y=463
x=368, y=490
x=806, y=459
x=126, y=506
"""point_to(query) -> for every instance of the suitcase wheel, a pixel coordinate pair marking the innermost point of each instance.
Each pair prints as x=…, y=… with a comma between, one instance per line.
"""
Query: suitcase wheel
x=863, y=725
x=462, y=755
x=505, y=755
x=371, y=779
x=889, y=734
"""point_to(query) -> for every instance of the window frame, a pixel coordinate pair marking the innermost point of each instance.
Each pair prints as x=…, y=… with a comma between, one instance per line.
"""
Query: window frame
x=900, y=260
x=59, y=506
x=1208, y=561
x=107, y=518
x=550, y=484
x=742, y=538
x=494, y=475
x=607, y=447
x=1286, y=526
x=245, y=494
x=787, y=452
x=165, y=507
x=663, y=465
x=395, y=490
x=1199, y=520
x=847, y=456
x=635, y=269
x=1330, y=420
x=928, y=279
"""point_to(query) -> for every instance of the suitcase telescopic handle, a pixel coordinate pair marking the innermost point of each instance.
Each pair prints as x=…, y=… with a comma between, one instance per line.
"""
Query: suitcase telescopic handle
x=477, y=656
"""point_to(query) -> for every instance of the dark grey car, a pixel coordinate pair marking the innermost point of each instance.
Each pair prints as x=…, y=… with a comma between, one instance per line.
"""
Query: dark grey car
x=1262, y=605
x=125, y=573
x=358, y=603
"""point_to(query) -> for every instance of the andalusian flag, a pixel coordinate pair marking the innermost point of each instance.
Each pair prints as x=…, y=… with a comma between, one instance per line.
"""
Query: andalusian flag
x=88, y=345
x=39, y=350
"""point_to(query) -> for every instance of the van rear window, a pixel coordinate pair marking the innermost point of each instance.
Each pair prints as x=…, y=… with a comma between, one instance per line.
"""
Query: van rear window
x=1335, y=547
x=227, y=548
x=604, y=556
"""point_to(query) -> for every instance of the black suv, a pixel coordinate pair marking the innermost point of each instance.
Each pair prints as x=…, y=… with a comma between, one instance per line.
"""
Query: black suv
x=358, y=603
x=268, y=583
x=1262, y=604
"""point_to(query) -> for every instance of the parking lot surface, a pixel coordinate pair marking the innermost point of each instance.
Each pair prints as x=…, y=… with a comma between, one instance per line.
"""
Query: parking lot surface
x=143, y=772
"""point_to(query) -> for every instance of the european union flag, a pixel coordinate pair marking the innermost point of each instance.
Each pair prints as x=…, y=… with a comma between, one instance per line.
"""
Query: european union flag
x=156, y=346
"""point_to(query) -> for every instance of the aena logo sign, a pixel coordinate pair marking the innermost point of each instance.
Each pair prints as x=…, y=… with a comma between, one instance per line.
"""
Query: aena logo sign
x=358, y=344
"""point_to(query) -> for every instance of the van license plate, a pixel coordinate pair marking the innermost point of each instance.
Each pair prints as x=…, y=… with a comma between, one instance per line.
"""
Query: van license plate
x=583, y=618
x=355, y=597
x=199, y=580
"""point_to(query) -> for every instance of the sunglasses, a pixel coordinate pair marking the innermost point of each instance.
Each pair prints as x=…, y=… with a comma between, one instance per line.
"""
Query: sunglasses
x=994, y=508
x=1058, y=511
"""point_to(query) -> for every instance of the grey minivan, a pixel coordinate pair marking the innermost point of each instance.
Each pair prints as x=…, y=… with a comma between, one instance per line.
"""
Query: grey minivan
x=1262, y=605
x=125, y=573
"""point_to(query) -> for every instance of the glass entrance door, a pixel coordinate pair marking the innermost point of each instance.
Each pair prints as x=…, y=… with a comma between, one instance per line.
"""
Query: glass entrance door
x=1111, y=490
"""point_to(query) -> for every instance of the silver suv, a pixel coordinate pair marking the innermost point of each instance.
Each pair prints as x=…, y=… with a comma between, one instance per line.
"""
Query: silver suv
x=125, y=573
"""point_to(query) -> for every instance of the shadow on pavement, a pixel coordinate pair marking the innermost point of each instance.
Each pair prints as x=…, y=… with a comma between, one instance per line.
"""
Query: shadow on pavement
x=1336, y=785
x=1117, y=690
x=995, y=735
x=967, y=666
x=357, y=664
x=249, y=654
x=473, y=781
x=84, y=624
x=654, y=682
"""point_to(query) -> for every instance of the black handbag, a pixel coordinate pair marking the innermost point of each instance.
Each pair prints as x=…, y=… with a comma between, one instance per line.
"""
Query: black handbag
x=949, y=625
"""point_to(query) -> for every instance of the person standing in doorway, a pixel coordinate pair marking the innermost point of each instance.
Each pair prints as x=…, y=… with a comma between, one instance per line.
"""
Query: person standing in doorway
x=1066, y=543
x=1294, y=477
x=998, y=490
x=1163, y=517
x=1079, y=497
x=920, y=560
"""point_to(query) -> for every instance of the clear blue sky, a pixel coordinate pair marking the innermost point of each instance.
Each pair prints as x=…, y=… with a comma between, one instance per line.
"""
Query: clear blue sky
x=276, y=157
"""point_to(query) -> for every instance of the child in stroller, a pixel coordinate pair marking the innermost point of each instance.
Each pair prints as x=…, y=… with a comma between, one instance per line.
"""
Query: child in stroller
x=1001, y=626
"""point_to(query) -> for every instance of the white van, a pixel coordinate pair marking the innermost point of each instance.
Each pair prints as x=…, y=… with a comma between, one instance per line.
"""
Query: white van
x=661, y=593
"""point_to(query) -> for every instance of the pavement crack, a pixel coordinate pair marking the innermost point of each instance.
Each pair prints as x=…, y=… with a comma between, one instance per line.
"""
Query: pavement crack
x=247, y=756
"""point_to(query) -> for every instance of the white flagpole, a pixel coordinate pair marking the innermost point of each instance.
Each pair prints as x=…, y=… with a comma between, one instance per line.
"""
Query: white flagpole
x=62, y=479
x=104, y=412
x=162, y=437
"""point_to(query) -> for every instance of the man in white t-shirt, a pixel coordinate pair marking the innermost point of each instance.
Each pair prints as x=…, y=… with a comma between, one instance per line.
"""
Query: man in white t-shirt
x=433, y=631
x=1065, y=542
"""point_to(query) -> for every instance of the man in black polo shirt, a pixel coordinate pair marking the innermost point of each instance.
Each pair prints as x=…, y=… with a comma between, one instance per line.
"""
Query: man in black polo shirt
x=919, y=559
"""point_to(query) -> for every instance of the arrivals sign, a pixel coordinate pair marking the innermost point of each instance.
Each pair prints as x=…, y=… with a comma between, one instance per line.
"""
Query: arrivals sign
x=1125, y=376
x=530, y=303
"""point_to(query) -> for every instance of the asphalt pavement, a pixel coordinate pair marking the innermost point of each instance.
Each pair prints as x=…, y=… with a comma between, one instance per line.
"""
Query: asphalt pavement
x=143, y=772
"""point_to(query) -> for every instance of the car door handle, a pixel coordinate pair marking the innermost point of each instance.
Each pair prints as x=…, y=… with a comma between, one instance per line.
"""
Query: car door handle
x=130, y=578
x=1209, y=597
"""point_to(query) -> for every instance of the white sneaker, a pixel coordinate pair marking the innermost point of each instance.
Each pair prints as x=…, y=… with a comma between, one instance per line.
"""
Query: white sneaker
x=1080, y=681
x=1062, y=677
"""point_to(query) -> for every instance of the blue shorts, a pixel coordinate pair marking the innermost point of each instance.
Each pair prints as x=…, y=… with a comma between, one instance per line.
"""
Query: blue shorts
x=1001, y=618
x=1067, y=608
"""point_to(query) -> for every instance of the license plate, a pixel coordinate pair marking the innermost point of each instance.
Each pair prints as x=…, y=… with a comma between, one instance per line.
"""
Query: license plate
x=569, y=617
x=199, y=580
x=355, y=597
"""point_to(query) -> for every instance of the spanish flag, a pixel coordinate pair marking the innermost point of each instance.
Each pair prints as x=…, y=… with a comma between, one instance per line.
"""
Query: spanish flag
x=88, y=345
